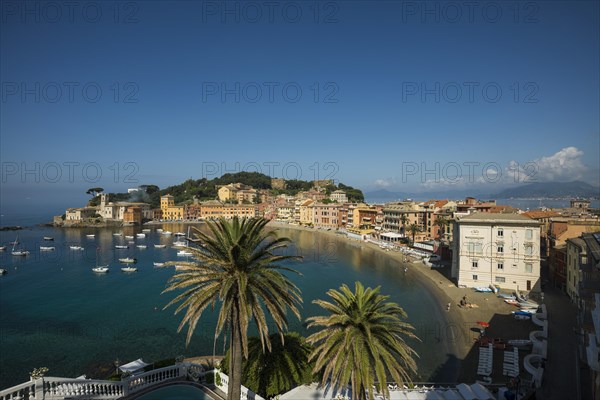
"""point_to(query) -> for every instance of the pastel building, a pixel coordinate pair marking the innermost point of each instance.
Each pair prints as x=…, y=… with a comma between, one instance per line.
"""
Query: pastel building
x=498, y=249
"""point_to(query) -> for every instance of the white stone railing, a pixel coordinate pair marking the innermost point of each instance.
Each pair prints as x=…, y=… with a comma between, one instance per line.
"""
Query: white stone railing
x=54, y=388
x=246, y=394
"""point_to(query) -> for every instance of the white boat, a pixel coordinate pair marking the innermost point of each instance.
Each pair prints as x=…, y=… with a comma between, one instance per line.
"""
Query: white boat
x=141, y=235
x=159, y=230
x=179, y=234
x=128, y=260
x=117, y=234
x=121, y=247
x=159, y=264
x=48, y=238
x=167, y=233
x=160, y=246
x=2, y=248
x=128, y=237
x=183, y=253
x=47, y=248
x=16, y=252
x=180, y=267
x=129, y=269
x=179, y=243
x=146, y=230
x=141, y=246
x=100, y=269
x=3, y=271
x=76, y=247
x=90, y=236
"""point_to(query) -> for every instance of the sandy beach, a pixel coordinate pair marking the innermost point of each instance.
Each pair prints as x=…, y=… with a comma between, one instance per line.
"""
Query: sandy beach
x=461, y=323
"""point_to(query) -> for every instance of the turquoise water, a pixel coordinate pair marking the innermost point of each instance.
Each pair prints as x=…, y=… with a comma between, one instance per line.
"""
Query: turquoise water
x=55, y=312
x=176, y=392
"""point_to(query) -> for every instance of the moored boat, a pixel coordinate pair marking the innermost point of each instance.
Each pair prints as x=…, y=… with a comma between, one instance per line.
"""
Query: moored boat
x=47, y=248
x=141, y=246
x=91, y=236
x=117, y=234
x=76, y=247
x=159, y=264
x=146, y=230
x=18, y=252
x=48, y=238
x=179, y=243
x=128, y=260
x=3, y=271
x=167, y=233
x=129, y=237
x=121, y=247
x=2, y=248
x=160, y=246
x=100, y=270
x=129, y=269
x=141, y=235
x=184, y=253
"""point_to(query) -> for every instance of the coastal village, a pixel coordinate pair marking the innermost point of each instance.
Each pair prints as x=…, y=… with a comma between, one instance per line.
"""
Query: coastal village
x=481, y=244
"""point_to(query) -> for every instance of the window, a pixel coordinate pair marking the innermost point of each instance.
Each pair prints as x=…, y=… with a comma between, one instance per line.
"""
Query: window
x=528, y=250
x=478, y=248
x=474, y=277
x=528, y=234
x=529, y=267
x=500, y=279
x=500, y=232
x=500, y=266
x=474, y=264
x=500, y=249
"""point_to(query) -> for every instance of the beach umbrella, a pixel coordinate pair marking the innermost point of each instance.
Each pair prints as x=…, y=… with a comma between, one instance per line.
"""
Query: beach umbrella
x=482, y=323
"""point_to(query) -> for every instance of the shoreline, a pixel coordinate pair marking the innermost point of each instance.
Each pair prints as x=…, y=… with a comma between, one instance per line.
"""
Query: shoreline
x=461, y=327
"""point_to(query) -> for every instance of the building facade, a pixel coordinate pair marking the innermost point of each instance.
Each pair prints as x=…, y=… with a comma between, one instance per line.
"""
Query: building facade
x=498, y=249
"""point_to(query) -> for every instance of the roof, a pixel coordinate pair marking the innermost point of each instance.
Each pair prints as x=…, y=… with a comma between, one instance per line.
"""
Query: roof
x=541, y=214
x=497, y=218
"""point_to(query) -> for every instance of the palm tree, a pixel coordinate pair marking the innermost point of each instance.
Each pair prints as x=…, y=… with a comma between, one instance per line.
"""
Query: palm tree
x=279, y=370
x=362, y=341
x=442, y=222
x=414, y=229
x=236, y=266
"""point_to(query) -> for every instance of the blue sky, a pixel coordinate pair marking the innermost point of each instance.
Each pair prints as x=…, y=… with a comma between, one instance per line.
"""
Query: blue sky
x=388, y=90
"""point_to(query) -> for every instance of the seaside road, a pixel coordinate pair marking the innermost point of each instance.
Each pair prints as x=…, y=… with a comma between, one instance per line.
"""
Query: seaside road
x=560, y=375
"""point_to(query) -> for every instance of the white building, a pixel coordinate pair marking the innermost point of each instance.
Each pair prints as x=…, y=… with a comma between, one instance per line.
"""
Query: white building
x=339, y=196
x=498, y=249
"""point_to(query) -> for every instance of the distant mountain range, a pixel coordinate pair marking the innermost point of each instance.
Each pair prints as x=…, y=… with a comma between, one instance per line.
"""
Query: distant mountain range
x=549, y=190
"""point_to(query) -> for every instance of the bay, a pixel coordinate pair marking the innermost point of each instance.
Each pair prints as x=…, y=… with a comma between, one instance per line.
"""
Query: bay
x=55, y=312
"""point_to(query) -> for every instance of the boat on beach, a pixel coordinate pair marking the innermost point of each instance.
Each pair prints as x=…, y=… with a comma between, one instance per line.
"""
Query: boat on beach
x=512, y=302
x=507, y=296
x=483, y=289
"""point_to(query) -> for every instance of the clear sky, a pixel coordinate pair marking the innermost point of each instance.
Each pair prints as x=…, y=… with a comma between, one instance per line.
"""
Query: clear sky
x=370, y=93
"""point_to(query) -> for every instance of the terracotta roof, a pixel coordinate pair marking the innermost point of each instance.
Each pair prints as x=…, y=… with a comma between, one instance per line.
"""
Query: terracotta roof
x=541, y=214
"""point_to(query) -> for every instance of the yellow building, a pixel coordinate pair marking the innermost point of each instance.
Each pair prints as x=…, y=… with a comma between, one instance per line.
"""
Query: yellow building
x=169, y=210
x=237, y=192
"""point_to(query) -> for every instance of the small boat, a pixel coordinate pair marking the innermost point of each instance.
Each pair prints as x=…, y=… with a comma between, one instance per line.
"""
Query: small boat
x=16, y=252
x=507, y=296
x=520, y=342
x=92, y=236
x=128, y=237
x=141, y=246
x=146, y=230
x=159, y=264
x=131, y=242
x=48, y=238
x=3, y=271
x=167, y=233
x=2, y=248
x=179, y=243
x=483, y=289
x=129, y=269
x=179, y=234
x=512, y=302
x=522, y=316
x=47, y=248
x=141, y=235
x=160, y=246
x=183, y=253
x=128, y=260
x=526, y=313
x=528, y=304
x=119, y=246
x=100, y=270
x=117, y=234
x=159, y=230
x=76, y=247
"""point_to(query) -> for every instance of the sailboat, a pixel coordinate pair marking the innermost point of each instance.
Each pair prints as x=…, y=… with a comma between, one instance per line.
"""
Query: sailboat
x=101, y=269
x=18, y=252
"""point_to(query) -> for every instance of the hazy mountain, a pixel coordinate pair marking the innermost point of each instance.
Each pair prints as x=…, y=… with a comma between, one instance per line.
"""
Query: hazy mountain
x=550, y=190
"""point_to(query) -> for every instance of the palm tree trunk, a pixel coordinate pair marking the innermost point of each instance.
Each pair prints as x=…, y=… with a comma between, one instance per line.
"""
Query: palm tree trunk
x=234, y=389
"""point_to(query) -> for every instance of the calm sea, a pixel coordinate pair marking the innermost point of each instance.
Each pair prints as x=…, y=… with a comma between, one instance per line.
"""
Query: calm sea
x=55, y=312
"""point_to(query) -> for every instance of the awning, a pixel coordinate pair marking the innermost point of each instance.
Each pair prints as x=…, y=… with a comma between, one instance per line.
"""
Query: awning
x=133, y=366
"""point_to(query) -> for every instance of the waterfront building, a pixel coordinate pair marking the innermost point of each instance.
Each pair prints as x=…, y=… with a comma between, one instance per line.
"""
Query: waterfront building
x=498, y=249
x=78, y=214
x=326, y=216
x=338, y=196
x=237, y=192
x=306, y=212
x=214, y=209
x=170, y=211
